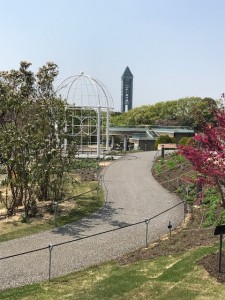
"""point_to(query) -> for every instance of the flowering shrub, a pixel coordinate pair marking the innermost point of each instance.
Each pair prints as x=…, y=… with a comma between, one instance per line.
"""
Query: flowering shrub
x=207, y=154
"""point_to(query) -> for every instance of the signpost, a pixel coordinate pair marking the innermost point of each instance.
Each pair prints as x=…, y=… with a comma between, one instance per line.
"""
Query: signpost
x=220, y=230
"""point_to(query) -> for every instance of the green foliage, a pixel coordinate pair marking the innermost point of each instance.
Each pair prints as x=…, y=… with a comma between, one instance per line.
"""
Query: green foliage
x=211, y=200
x=158, y=169
x=171, y=161
x=159, y=166
x=210, y=203
x=85, y=164
x=222, y=217
x=32, y=132
x=180, y=159
x=210, y=195
x=23, y=218
x=193, y=111
x=164, y=139
x=3, y=169
x=171, y=164
x=185, y=140
x=190, y=196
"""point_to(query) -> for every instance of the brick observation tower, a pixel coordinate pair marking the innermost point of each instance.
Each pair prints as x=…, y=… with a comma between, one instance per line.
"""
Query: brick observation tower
x=126, y=90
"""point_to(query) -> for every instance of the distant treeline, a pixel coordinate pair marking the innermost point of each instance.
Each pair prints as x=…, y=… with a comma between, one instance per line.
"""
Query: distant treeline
x=192, y=111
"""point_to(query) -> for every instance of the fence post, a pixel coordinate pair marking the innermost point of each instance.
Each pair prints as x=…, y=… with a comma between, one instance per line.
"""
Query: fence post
x=50, y=247
x=100, y=180
x=162, y=151
x=170, y=227
x=220, y=252
x=55, y=207
x=146, y=238
x=97, y=192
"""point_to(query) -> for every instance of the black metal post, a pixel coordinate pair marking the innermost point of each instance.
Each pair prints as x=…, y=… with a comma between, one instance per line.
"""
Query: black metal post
x=162, y=151
x=97, y=193
x=50, y=247
x=220, y=230
x=146, y=237
x=55, y=206
x=220, y=251
x=170, y=227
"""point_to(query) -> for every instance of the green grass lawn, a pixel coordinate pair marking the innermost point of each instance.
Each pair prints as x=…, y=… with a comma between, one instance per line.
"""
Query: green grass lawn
x=173, y=277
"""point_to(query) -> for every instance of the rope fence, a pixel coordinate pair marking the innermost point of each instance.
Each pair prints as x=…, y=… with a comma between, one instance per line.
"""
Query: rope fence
x=146, y=232
x=137, y=235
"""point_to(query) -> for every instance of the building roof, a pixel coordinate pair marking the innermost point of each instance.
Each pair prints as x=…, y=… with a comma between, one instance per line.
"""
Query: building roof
x=127, y=72
x=148, y=133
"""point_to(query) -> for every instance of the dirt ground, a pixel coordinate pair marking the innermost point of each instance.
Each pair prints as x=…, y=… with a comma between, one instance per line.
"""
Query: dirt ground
x=185, y=237
x=189, y=235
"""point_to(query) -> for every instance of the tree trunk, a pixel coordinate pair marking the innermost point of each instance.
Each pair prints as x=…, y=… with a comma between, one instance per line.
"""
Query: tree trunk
x=220, y=188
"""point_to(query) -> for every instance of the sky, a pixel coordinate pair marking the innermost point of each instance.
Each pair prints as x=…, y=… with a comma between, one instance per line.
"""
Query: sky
x=174, y=48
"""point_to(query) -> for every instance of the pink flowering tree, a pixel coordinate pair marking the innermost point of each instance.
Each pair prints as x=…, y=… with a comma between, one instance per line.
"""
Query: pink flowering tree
x=207, y=154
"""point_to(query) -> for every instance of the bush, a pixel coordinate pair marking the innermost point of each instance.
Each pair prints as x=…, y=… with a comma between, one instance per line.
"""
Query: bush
x=186, y=140
x=23, y=218
x=85, y=164
x=164, y=139
x=211, y=199
x=171, y=164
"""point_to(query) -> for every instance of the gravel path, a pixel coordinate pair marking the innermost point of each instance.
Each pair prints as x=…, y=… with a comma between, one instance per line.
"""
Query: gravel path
x=132, y=196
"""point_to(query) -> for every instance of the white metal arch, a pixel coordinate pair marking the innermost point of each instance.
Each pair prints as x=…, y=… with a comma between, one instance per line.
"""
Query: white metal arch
x=84, y=94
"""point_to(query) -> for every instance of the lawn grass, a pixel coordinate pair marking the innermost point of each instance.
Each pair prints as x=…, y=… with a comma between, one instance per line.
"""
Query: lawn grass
x=84, y=205
x=173, y=277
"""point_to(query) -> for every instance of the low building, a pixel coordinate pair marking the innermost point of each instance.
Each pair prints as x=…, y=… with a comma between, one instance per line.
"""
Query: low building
x=144, y=137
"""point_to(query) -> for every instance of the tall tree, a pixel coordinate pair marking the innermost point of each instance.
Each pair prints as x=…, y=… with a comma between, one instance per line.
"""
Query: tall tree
x=32, y=132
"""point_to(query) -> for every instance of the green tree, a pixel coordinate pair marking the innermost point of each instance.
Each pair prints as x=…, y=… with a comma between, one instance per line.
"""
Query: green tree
x=32, y=132
x=202, y=113
x=191, y=111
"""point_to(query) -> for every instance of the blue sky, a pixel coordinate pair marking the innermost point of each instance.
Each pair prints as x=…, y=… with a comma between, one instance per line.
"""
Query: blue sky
x=174, y=48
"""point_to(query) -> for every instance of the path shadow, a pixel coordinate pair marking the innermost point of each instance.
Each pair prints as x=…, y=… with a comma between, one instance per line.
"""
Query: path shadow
x=102, y=217
x=102, y=220
x=119, y=224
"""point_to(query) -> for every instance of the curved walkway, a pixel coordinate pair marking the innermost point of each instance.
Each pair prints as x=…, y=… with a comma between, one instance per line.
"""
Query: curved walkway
x=132, y=196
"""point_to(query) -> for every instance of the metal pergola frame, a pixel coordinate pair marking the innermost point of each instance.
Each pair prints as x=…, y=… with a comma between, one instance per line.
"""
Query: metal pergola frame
x=90, y=102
